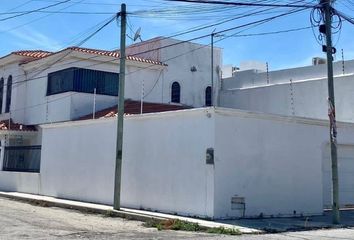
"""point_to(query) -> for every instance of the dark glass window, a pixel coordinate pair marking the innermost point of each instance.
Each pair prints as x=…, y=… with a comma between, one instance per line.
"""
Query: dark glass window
x=1, y=93
x=22, y=158
x=8, y=94
x=83, y=80
x=176, y=93
x=61, y=81
x=208, y=96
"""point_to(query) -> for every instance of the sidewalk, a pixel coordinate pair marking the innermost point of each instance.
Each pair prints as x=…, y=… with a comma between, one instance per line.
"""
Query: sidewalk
x=245, y=226
x=132, y=214
x=291, y=224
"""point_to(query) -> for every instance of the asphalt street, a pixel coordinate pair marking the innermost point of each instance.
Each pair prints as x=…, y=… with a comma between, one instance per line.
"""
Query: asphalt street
x=20, y=220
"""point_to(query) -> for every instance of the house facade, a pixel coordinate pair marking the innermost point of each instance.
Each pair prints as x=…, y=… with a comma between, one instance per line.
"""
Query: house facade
x=58, y=132
x=39, y=87
x=213, y=163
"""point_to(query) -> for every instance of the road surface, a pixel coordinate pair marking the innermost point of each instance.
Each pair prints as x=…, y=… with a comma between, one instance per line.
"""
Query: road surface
x=20, y=220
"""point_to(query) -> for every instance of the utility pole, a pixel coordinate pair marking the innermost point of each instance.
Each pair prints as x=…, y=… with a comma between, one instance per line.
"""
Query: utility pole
x=120, y=118
x=327, y=13
x=94, y=104
x=212, y=69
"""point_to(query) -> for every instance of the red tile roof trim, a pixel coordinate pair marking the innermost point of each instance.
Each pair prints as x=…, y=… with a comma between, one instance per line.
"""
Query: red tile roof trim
x=33, y=53
x=133, y=107
x=114, y=54
x=9, y=125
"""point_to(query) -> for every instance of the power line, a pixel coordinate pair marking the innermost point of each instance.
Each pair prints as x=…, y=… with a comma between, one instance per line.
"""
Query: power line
x=96, y=3
x=21, y=5
x=222, y=31
x=62, y=12
x=66, y=54
x=245, y=4
x=201, y=27
x=37, y=19
x=178, y=43
x=35, y=10
x=340, y=14
x=181, y=42
x=274, y=32
x=256, y=22
x=167, y=45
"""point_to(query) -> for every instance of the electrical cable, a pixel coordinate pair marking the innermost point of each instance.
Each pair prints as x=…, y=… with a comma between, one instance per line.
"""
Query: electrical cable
x=211, y=25
x=190, y=40
x=35, y=10
x=185, y=41
x=244, y=4
x=57, y=99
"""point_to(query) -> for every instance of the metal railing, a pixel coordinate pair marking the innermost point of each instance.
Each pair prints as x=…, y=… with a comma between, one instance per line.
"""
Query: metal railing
x=22, y=158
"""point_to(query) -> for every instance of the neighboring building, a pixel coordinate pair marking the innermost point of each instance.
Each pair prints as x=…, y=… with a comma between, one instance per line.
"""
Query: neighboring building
x=294, y=92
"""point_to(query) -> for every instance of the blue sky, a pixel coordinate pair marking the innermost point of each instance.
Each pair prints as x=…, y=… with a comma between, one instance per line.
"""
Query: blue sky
x=54, y=31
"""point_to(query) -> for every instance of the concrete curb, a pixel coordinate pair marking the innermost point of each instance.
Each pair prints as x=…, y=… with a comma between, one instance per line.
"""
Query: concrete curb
x=130, y=214
x=85, y=209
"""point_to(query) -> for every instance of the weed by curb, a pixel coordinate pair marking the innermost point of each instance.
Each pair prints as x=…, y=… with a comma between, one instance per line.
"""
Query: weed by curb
x=179, y=225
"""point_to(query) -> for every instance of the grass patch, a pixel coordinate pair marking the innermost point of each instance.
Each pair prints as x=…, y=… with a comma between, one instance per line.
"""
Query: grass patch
x=109, y=213
x=179, y=225
x=222, y=230
x=173, y=224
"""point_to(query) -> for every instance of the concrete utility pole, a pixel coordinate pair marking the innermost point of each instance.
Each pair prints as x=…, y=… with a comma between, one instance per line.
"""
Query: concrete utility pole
x=212, y=69
x=120, y=118
x=327, y=12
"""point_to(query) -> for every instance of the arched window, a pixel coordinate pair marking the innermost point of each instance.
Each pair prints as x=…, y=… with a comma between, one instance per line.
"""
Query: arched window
x=8, y=94
x=208, y=96
x=176, y=93
x=1, y=93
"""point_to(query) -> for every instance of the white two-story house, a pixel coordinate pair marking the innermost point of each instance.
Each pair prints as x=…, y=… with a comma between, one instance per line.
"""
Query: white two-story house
x=39, y=87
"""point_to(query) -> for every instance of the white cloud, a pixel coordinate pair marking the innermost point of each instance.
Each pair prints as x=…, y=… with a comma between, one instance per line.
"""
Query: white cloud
x=31, y=38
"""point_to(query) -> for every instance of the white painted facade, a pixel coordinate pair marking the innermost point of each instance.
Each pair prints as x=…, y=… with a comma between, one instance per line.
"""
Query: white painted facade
x=293, y=92
x=144, y=81
x=259, y=157
x=188, y=64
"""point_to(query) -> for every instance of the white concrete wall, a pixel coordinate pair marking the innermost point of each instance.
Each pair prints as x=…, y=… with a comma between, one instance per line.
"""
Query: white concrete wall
x=266, y=160
x=274, y=162
x=345, y=169
x=302, y=98
x=254, y=78
x=163, y=162
x=20, y=182
x=78, y=162
x=164, y=167
x=180, y=59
